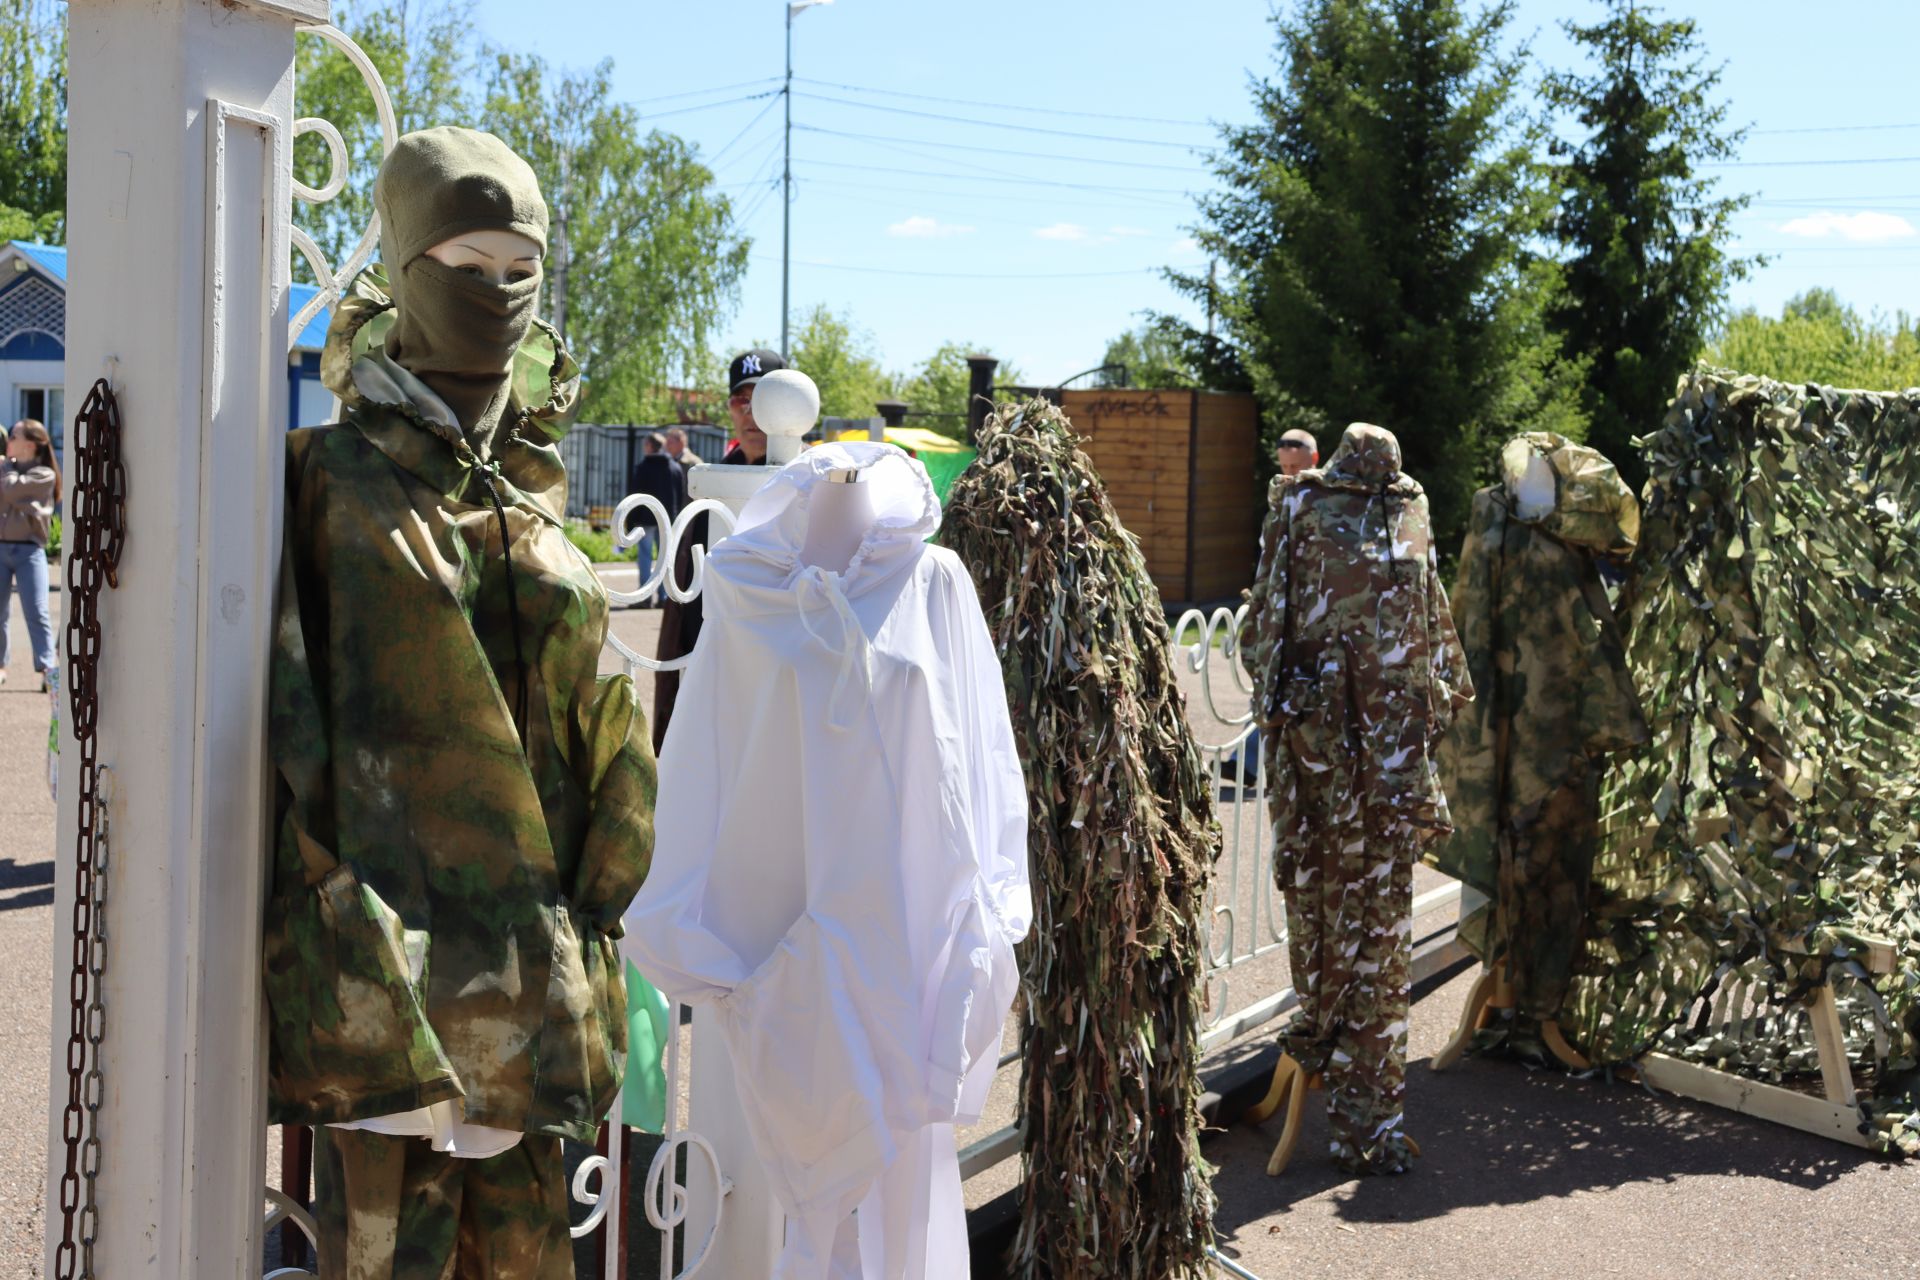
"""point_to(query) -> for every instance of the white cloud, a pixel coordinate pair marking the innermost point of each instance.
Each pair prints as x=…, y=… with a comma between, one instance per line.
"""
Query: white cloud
x=1061, y=231
x=1128, y=231
x=920, y=227
x=1186, y=247
x=1865, y=227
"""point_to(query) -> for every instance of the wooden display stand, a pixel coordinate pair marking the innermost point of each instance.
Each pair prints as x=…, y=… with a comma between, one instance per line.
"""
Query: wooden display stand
x=1290, y=1087
x=1836, y=1116
x=1493, y=990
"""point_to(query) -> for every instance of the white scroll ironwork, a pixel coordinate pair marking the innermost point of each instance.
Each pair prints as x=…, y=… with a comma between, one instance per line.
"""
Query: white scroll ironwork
x=333, y=283
x=663, y=579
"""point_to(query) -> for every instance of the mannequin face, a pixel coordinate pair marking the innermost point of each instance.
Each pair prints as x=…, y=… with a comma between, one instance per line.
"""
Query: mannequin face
x=498, y=257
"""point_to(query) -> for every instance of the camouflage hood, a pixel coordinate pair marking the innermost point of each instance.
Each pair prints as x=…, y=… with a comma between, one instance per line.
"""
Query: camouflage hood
x=1367, y=461
x=1592, y=508
x=405, y=420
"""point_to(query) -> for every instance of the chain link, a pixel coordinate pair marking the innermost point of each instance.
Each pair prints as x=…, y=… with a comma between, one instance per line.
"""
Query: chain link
x=98, y=505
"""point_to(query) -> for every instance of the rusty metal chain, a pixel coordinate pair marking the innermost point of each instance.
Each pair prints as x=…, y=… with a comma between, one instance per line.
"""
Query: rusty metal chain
x=98, y=528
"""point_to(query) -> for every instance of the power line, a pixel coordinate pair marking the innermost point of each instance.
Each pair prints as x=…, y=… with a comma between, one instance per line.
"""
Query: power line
x=758, y=116
x=646, y=117
x=1778, y=164
x=997, y=124
x=968, y=275
x=701, y=93
x=1836, y=128
x=996, y=198
x=1004, y=106
x=1000, y=151
x=1029, y=182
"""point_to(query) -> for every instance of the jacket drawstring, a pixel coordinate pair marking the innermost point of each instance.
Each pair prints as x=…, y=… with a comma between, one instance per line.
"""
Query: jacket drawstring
x=489, y=474
x=853, y=647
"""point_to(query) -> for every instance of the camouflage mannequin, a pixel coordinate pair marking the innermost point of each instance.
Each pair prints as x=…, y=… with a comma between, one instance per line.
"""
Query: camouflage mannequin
x=1522, y=768
x=1357, y=673
x=464, y=805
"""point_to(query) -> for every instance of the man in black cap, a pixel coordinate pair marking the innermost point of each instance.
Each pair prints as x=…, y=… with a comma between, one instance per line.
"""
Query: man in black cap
x=680, y=623
x=742, y=375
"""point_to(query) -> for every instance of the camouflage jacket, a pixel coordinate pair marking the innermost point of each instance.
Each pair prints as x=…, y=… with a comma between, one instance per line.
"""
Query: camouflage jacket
x=446, y=891
x=1356, y=668
x=1542, y=646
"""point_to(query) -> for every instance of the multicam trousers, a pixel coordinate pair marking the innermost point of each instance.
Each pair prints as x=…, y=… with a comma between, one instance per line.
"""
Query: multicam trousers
x=396, y=1209
x=1349, y=938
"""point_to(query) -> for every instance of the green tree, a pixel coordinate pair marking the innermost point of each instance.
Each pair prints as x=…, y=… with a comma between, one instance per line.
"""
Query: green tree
x=1151, y=355
x=1817, y=338
x=33, y=120
x=1375, y=233
x=937, y=391
x=644, y=259
x=841, y=359
x=1644, y=235
x=426, y=51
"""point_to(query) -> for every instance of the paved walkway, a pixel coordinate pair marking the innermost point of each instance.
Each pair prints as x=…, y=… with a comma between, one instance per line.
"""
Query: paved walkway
x=1525, y=1173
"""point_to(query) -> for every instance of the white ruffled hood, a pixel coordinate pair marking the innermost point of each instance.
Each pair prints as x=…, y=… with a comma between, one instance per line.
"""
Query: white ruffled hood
x=772, y=527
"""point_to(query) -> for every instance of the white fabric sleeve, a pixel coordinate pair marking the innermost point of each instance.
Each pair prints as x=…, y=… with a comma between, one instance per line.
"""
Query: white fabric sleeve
x=663, y=934
x=984, y=973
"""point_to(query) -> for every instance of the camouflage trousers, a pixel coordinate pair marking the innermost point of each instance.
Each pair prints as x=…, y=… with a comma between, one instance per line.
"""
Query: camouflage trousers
x=1545, y=869
x=396, y=1209
x=1349, y=939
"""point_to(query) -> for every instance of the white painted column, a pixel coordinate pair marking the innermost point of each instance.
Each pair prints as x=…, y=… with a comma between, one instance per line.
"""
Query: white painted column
x=180, y=119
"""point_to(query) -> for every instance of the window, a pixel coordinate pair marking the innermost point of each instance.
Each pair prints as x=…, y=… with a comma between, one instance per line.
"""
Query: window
x=48, y=405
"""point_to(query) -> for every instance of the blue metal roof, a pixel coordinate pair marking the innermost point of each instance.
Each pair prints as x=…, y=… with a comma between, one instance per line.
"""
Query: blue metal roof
x=51, y=259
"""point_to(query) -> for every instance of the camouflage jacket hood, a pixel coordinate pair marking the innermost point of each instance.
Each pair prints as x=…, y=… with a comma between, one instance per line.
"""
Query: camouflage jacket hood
x=1592, y=506
x=1356, y=668
x=405, y=420
x=464, y=804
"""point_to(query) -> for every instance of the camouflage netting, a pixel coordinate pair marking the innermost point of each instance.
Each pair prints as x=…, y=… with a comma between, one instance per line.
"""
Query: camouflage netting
x=1771, y=830
x=1122, y=842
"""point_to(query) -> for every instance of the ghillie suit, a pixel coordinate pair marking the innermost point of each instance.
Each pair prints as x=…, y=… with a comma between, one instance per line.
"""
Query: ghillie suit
x=1122, y=842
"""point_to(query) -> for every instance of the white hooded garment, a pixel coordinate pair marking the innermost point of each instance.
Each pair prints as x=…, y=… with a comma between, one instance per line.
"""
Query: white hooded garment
x=840, y=864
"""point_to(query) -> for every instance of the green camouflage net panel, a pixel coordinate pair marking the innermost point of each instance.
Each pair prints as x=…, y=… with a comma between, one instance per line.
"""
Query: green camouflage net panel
x=1122, y=844
x=1770, y=833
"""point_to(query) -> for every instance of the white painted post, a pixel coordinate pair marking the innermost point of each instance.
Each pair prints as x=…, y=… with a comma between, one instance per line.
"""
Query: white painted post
x=180, y=129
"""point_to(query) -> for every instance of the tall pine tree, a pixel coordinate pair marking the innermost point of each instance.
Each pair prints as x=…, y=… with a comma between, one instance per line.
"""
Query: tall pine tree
x=1646, y=267
x=1376, y=232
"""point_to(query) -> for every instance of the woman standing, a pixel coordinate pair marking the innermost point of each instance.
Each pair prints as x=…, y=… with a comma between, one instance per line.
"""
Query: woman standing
x=29, y=491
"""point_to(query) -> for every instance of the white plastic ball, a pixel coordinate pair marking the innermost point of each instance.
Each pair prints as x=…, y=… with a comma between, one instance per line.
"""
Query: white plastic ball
x=786, y=403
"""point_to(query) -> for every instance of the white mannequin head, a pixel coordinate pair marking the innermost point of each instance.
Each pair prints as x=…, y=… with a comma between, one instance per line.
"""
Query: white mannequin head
x=1533, y=490
x=498, y=257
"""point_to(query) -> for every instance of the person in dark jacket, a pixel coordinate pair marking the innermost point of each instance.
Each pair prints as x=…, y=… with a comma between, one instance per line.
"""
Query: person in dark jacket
x=680, y=623
x=659, y=477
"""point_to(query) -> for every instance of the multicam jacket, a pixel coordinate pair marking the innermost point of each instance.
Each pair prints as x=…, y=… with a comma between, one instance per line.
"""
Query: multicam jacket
x=1356, y=668
x=455, y=846
x=1545, y=654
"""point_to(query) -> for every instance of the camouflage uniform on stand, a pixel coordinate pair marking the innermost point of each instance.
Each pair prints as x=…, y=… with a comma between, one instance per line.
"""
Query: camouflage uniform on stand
x=1357, y=673
x=418, y=1212
x=1522, y=768
x=465, y=804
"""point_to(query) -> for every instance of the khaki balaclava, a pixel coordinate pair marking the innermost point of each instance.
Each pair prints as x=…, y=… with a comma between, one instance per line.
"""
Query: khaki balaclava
x=456, y=332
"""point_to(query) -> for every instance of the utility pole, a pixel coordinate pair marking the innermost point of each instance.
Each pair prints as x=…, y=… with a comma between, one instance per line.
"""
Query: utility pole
x=786, y=194
x=786, y=179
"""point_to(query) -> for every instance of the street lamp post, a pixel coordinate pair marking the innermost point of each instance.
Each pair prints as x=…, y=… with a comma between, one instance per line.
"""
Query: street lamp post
x=786, y=181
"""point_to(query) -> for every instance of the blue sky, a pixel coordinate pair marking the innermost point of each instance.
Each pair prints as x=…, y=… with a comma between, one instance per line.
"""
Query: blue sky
x=922, y=229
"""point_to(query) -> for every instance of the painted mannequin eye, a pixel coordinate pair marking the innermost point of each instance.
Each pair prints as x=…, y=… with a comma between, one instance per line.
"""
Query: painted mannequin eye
x=518, y=274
